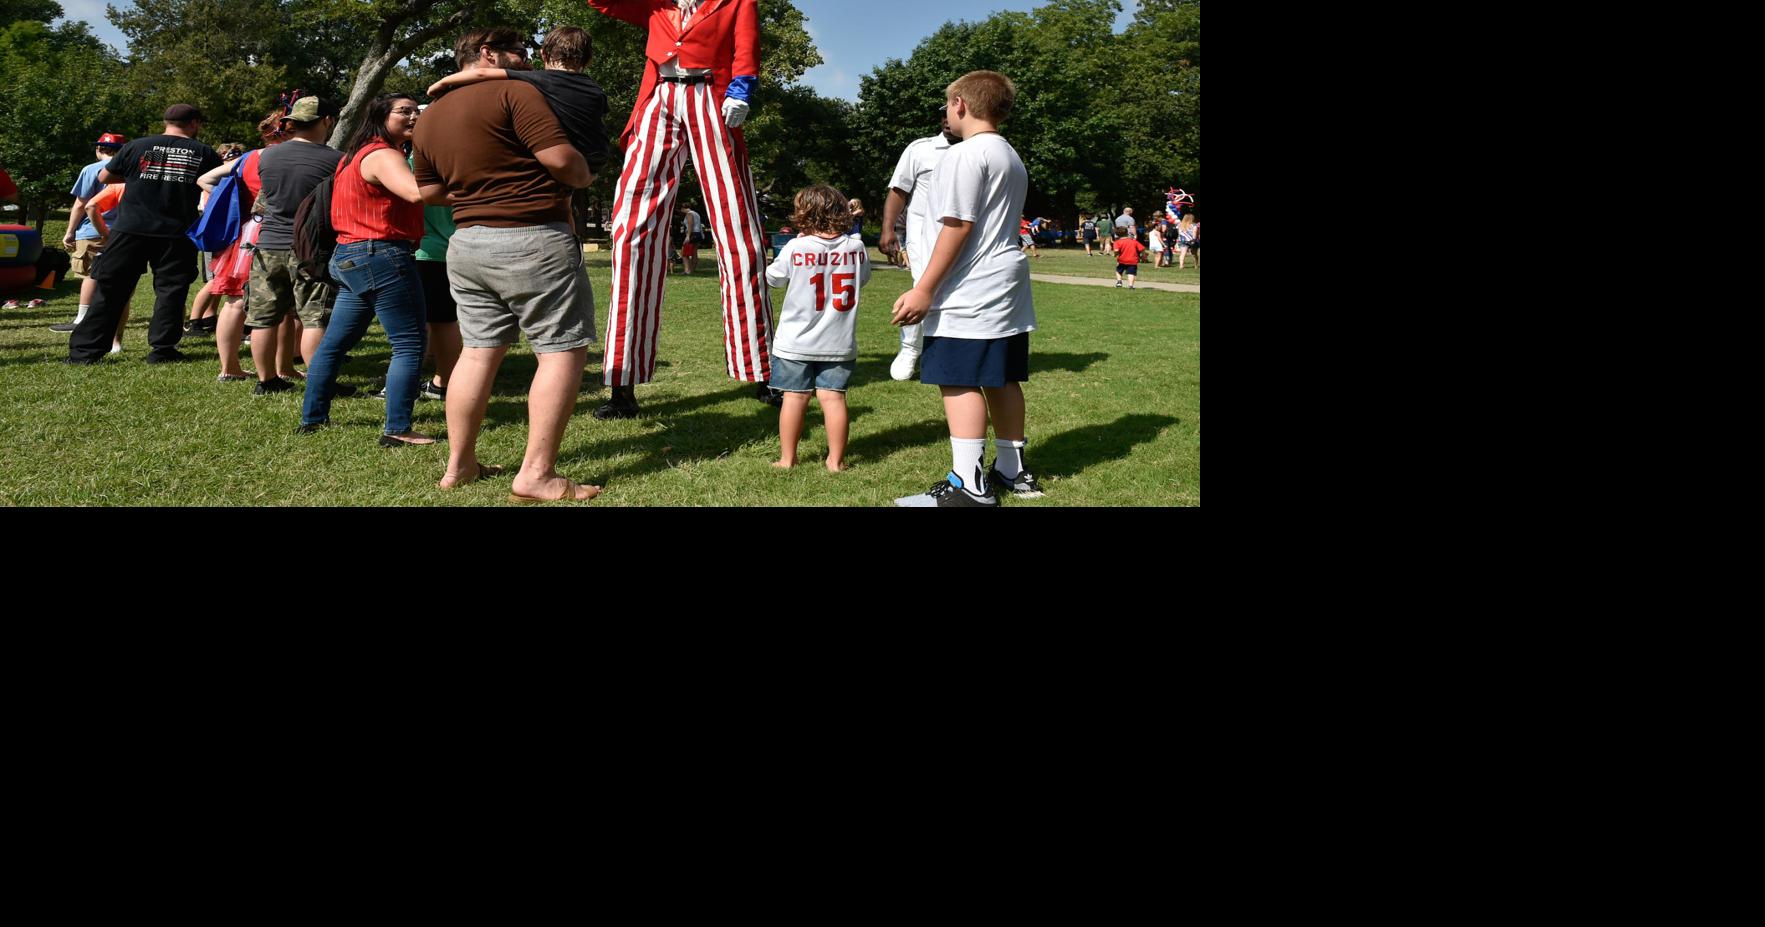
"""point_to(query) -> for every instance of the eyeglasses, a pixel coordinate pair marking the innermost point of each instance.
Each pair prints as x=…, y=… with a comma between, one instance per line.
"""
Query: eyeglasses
x=405, y=111
x=511, y=49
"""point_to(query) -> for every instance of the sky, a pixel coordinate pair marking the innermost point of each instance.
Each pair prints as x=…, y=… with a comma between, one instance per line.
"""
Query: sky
x=854, y=37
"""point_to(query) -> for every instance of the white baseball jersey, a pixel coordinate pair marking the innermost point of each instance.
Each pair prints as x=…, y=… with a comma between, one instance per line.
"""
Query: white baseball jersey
x=912, y=172
x=986, y=294
x=819, y=321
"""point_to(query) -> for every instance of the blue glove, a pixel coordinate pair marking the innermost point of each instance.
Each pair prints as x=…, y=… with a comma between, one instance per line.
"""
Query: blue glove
x=740, y=87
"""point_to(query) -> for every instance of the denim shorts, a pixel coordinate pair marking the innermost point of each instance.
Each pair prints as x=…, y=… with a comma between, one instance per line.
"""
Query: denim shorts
x=793, y=376
x=974, y=361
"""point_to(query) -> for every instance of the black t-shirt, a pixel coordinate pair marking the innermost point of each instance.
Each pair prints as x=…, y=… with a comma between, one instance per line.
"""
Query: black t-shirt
x=289, y=172
x=581, y=107
x=161, y=172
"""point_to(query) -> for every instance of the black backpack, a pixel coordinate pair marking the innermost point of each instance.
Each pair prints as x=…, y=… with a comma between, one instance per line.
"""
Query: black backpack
x=314, y=237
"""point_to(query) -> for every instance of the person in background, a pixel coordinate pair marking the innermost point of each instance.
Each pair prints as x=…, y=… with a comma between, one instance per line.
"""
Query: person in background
x=82, y=241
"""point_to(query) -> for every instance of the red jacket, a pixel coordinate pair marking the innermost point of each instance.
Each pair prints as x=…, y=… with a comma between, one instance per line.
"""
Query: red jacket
x=724, y=35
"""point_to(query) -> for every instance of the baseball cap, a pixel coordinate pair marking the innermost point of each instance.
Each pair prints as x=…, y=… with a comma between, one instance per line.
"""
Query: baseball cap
x=111, y=140
x=183, y=112
x=311, y=109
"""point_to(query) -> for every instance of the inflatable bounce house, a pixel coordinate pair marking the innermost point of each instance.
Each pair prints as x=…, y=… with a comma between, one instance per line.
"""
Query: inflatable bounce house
x=24, y=262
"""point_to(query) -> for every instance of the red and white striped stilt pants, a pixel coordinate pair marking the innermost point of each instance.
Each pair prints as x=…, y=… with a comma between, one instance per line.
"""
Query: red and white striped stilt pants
x=674, y=118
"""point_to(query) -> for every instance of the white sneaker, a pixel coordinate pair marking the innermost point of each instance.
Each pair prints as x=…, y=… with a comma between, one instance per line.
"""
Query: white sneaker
x=902, y=368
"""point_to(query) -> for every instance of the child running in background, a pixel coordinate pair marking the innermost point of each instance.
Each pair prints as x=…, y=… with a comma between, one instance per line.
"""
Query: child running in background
x=816, y=343
x=1127, y=256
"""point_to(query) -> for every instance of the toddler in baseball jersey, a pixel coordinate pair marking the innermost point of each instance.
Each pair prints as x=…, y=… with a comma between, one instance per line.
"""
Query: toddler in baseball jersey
x=816, y=342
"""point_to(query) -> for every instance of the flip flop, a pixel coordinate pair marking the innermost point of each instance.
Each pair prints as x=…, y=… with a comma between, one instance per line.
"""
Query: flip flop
x=224, y=378
x=568, y=496
x=484, y=470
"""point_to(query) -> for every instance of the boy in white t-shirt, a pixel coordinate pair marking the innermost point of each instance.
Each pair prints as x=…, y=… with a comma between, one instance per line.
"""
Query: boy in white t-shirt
x=974, y=299
x=815, y=344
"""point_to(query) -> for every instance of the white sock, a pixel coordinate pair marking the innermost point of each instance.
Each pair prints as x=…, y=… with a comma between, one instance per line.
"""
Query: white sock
x=910, y=339
x=1008, y=456
x=965, y=462
x=81, y=316
x=116, y=347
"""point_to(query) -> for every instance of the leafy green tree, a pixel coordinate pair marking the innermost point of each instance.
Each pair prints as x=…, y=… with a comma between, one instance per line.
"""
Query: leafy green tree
x=41, y=11
x=1101, y=119
x=60, y=93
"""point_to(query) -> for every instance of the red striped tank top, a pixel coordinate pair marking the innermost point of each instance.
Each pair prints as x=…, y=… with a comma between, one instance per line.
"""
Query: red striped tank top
x=361, y=211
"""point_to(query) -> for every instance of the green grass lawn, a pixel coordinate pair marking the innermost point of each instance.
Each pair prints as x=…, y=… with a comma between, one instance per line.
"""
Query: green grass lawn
x=1114, y=417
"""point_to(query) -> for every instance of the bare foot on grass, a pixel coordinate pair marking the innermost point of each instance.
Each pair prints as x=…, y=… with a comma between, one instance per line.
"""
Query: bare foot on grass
x=784, y=464
x=452, y=480
x=551, y=489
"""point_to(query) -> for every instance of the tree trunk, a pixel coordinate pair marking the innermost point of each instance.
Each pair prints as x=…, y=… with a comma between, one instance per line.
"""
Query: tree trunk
x=368, y=81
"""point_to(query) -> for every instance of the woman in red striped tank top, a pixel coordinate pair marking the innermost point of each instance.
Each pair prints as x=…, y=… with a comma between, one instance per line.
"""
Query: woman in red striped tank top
x=378, y=214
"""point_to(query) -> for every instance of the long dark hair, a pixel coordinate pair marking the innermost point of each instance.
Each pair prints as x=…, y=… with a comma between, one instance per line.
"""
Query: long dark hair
x=374, y=127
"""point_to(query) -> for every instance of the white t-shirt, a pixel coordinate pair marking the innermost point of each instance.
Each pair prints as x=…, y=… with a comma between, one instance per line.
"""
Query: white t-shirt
x=986, y=294
x=819, y=321
x=912, y=172
x=691, y=222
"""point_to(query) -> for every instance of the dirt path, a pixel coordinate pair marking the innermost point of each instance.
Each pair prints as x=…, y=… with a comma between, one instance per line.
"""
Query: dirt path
x=1142, y=283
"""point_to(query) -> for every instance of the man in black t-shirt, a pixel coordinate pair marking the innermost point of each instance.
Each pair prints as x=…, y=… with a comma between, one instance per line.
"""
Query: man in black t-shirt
x=160, y=205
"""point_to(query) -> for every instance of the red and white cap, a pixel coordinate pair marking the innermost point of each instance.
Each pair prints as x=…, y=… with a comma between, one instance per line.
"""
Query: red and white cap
x=111, y=140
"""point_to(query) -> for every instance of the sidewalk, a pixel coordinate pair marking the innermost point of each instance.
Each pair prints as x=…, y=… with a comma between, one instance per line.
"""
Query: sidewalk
x=1142, y=283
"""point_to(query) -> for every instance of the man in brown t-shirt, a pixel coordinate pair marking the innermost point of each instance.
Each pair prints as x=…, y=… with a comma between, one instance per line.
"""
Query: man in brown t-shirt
x=496, y=154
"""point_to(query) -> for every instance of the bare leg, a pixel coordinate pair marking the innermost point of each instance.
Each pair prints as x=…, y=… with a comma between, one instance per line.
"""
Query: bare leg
x=966, y=409
x=838, y=419
x=468, y=396
x=229, y=331
x=444, y=342
x=1006, y=407
x=289, y=343
x=202, y=306
x=310, y=338
x=790, y=428
x=264, y=349
x=550, y=400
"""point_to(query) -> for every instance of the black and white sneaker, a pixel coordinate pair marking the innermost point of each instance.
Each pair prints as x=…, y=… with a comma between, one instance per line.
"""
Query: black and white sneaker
x=952, y=493
x=1023, y=486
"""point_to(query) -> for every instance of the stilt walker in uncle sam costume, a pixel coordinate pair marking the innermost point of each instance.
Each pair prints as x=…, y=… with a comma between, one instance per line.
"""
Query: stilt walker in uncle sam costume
x=702, y=61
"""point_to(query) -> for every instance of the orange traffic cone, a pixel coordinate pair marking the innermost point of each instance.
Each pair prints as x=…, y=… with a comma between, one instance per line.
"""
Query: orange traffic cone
x=48, y=282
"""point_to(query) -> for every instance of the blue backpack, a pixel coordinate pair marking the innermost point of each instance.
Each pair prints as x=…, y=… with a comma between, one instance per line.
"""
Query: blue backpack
x=219, y=225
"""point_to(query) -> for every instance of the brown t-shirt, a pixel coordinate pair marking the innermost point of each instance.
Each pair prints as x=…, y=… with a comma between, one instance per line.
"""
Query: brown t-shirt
x=479, y=141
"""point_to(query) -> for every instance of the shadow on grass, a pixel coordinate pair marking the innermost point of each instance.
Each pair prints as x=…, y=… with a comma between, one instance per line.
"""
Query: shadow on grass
x=1070, y=453
x=883, y=444
x=1072, y=363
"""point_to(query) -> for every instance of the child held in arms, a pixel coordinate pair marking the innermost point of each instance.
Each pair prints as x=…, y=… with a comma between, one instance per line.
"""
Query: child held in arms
x=579, y=103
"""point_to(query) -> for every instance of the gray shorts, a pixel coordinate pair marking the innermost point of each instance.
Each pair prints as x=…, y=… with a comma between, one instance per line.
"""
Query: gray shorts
x=526, y=280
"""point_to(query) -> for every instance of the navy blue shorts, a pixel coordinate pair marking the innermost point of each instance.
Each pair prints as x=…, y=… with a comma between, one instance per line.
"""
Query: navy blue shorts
x=1131, y=270
x=975, y=362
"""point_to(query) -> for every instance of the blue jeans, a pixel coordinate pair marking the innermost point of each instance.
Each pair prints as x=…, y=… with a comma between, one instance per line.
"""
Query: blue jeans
x=375, y=278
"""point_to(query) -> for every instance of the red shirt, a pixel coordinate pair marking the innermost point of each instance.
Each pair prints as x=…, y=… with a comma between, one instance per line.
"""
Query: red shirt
x=361, y=211
x=7, y=188
x=1128, y=251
